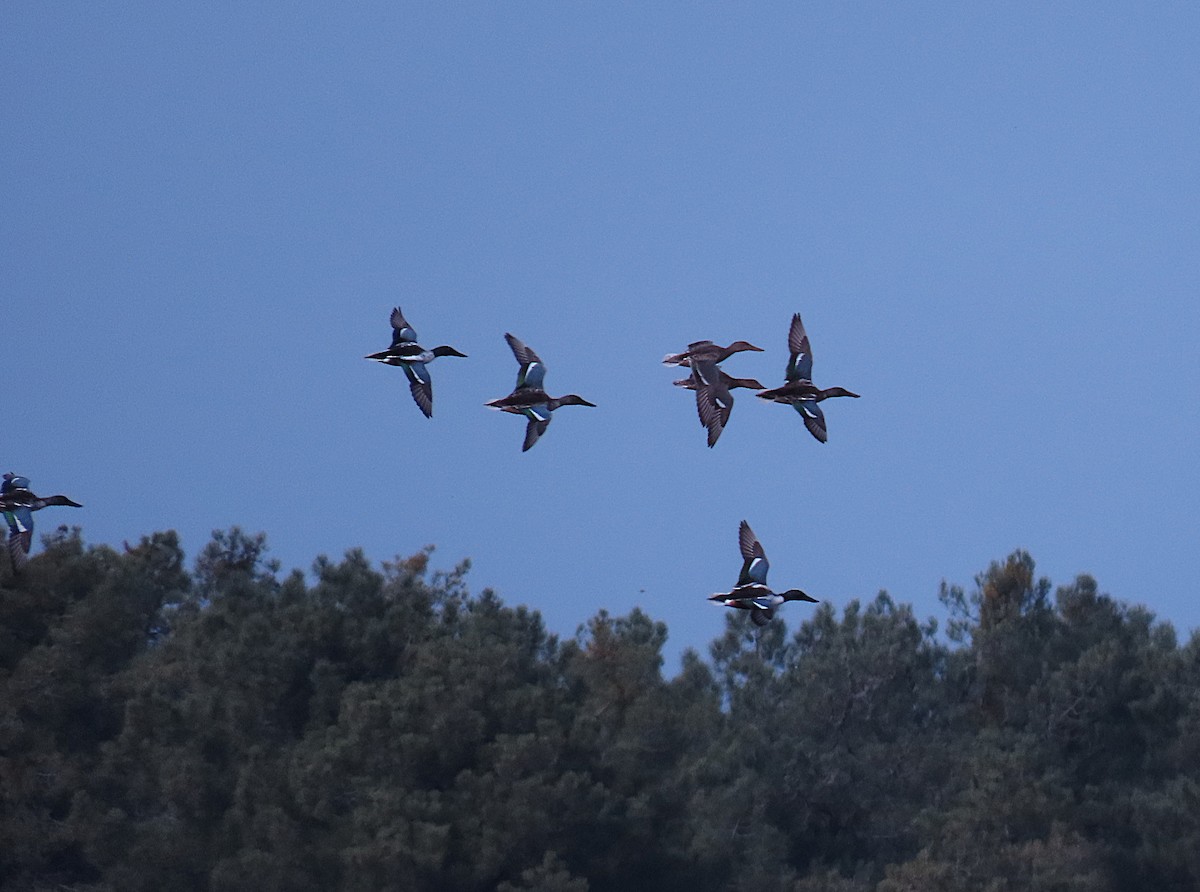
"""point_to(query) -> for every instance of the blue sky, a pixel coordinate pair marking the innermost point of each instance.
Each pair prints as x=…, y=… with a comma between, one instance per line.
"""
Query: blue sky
x=989, y=219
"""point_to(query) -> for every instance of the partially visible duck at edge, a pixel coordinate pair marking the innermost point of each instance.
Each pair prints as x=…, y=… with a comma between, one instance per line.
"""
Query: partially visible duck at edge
x=799, y=392
x=406, y=353
x=17, y=505
x=751, y=592
x=528, y=398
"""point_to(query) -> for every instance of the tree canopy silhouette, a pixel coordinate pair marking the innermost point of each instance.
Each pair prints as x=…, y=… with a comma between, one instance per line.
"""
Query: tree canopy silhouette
x=228, y=728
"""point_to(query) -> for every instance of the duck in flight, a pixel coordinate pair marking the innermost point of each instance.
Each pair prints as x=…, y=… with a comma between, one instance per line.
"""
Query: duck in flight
x=751, y=592
x=714, y=402
x=17, y=504
x=799, y=391
x=728, y=380
x=708, y=350
x=412, y=357
x=528, y=398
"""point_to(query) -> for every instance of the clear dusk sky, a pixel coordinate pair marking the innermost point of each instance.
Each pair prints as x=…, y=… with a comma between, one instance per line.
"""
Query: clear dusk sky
x=988, y=215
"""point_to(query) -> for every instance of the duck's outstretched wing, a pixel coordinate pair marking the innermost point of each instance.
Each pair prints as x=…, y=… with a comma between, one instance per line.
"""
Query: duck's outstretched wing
x=534, y=429
x=20, y=534
x=760, y=615
x=402, y=332
x=799, y=367
x=533, y=370
x=18, y=548
x=421, y=386
x=714, y=402
x=755, y=565
x=714, y=409
x=814, y=418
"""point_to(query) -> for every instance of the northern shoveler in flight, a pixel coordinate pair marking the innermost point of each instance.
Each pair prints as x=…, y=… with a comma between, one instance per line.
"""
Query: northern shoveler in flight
x=412, y=357
x=799, y=391
x=17, y=504
x=708, y=350
x=528, y=398
x=751, y=592
x=714, y=402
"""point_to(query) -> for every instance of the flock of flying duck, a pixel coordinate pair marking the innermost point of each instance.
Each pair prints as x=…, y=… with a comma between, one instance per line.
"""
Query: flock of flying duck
x=528, y=397
x=714, y=403
x=711, y=384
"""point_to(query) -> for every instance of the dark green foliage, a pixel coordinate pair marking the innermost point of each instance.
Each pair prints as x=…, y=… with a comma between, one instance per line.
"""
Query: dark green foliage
x=229, y=729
